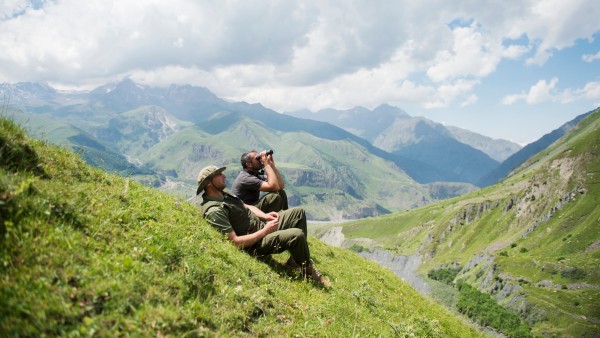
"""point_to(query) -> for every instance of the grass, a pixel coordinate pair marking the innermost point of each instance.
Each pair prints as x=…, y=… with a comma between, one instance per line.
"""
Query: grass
x=564, y=307
x=86, y=253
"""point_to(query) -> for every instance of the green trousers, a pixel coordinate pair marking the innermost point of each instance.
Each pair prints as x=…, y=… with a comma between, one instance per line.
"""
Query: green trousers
x=273, y=201
x=291, y=235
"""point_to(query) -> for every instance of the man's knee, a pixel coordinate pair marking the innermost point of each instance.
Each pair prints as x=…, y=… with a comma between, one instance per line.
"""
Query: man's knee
x=272, y=199
x=297, y=212
x=296, y=234
x=269, y=202
x=275, y=198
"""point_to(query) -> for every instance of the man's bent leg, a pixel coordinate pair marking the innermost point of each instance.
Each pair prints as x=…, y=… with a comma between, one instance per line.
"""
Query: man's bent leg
x=269, y=202
x=293, y=218
x=284, y=199
x=279, y=241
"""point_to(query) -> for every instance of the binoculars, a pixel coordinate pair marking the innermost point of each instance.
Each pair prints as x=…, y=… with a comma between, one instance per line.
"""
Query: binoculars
x=270, y=152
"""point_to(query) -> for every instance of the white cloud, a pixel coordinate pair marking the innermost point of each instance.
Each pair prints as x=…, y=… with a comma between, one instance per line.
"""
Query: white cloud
x=447, y=93
x=514, y=52
x=544, y=91
x=469, y=100
x=541, y=91
x=590, y=91
x=133, y=35
x=512, y=98
x=555, y=24
x=591, y=57
x=471, y=55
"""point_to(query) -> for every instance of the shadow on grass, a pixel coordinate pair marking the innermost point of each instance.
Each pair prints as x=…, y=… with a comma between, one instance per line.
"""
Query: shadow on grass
x=280, y=268
x=284, y=270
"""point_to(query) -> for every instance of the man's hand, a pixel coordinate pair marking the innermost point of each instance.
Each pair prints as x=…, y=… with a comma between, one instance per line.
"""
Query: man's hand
x=271, y=216
x=274, y=180
x=271, y=226
x=261, y=215
x=267, y=160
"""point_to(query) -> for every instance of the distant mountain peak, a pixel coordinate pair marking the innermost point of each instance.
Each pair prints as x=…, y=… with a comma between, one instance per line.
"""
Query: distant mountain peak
x=388, y=109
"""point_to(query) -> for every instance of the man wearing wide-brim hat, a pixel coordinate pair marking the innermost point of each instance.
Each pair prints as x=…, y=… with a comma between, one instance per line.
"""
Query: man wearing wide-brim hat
x=258, y=233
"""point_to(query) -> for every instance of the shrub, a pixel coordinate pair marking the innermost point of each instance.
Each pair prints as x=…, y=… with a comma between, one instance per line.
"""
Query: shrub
x=484, y=310
x=573, y=273
x=446, y=275
x=358, y=248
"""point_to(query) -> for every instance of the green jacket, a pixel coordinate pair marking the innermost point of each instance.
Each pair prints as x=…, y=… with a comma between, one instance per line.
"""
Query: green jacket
x=229, y=213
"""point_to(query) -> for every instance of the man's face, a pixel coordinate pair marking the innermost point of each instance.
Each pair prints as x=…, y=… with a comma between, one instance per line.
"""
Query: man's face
x=219, y=182
x=254, y=163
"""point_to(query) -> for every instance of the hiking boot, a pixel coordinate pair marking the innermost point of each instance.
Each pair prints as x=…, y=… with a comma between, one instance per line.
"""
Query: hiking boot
x=316, y=276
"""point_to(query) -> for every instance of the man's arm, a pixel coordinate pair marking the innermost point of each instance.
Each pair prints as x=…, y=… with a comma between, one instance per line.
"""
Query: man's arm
x=219, y=218
x=280, y=181
x=251, y=239
x=274, y=180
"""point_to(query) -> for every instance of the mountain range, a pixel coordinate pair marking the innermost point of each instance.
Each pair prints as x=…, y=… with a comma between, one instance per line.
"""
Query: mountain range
x=163, y=136
x=458, y=154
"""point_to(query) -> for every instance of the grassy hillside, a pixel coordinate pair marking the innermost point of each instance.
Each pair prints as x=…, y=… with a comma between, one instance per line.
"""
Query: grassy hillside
x=518, y=158
x=84, y=253
x=531, y=241
x=95, y=152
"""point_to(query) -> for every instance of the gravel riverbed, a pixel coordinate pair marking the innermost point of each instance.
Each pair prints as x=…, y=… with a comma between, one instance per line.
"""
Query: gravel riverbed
x=404, y=267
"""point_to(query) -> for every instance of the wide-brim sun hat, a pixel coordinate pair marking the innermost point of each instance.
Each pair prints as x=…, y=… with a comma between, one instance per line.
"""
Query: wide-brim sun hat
x=206, y=174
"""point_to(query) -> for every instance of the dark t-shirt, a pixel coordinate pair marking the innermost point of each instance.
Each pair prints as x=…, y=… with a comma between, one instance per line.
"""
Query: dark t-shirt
x=247, y=186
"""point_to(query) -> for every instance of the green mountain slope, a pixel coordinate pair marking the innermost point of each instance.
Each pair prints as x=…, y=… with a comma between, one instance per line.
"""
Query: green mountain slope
x=94, y=151
x=137, y=130
x=86, y=253
x=334, y=174
x=531, y=241
x=518, y=158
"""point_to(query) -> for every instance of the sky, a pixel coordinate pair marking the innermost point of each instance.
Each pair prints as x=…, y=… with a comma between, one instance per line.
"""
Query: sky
x=507, y=69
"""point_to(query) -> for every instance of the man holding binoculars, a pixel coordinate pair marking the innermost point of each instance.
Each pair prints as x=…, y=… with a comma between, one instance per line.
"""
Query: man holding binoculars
x=259, y=173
